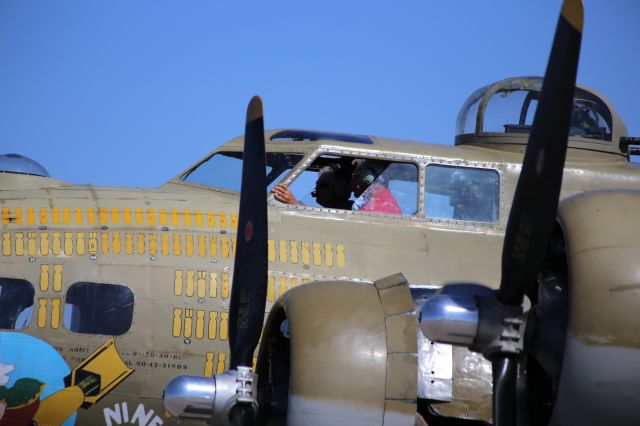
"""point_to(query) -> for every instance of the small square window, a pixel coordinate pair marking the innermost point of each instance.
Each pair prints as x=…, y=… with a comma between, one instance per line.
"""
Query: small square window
x=94, y=308
x=16, y=303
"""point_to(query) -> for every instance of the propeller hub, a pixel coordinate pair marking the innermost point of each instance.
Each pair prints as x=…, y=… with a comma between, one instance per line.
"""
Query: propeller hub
x=470, y=315
x=212, y=398
x=452, y=316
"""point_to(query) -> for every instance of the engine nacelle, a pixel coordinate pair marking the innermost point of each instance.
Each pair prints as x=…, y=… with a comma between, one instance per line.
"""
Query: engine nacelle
x=350, y=354
x=600, y=377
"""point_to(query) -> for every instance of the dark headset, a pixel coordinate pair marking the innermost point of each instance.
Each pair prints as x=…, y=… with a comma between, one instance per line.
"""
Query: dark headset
x=342, y=187
x=366, y=175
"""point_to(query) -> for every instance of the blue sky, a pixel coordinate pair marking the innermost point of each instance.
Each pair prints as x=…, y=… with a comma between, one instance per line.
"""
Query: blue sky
x=129, y=93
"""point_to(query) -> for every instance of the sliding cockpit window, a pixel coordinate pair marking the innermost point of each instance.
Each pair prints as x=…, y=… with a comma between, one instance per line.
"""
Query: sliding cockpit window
x=359, y=184
x=224, y=169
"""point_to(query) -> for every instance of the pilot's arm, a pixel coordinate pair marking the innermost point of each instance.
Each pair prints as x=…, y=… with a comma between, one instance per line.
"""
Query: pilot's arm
x=283, y=194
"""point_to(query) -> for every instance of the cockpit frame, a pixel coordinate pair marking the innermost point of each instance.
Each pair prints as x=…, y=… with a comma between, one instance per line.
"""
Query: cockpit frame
x=591, y=111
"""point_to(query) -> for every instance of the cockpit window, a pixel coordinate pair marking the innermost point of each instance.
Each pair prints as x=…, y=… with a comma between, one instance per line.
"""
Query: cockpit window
x=400, y=181
x=224, y=169
x=16, y=303
x=94, y=308
x=332, y=181
x=510, y=105
x=462, y=193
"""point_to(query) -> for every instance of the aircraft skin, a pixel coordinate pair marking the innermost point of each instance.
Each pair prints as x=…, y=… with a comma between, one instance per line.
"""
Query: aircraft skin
x=603, y=245
x=173, y=248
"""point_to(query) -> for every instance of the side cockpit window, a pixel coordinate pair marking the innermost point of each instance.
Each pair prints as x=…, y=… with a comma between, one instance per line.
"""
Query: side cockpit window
x=16, y=303
x=400, y=181
x=462, y=193
x=94, y=308
x=356, y=184
x=224, y=169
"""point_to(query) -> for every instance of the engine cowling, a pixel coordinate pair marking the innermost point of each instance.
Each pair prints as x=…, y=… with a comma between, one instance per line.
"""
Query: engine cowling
x=350, y=352
x=600, y=375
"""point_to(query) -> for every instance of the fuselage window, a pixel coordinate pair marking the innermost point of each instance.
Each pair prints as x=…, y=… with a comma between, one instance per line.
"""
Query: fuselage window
x=358, y=184
x=462, y=193
x=224, y=169
x=94, y=308
x=16, y=303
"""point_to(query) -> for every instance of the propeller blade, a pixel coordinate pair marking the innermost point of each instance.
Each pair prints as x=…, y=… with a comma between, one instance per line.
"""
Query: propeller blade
x=504, y=371
x=249, y=287
x=535, y=201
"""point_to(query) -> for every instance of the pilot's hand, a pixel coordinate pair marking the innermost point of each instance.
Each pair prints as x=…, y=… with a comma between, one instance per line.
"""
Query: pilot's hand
x=283, y=194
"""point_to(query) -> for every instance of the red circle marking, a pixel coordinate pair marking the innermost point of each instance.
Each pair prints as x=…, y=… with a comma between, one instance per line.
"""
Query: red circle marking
x=248, y=231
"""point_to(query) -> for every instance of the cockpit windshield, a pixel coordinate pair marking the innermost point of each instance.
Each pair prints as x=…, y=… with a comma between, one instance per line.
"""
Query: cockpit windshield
x=509, y=106
x=224, y=169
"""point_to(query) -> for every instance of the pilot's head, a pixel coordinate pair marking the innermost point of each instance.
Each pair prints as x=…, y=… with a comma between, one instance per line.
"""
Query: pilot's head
x=364, y=173
x=332, y=190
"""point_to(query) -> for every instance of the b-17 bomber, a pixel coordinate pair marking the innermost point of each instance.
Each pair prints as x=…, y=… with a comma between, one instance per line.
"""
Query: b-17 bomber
x=309, y=277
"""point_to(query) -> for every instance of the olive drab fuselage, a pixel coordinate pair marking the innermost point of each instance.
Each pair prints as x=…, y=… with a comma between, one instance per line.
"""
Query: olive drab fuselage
x=167, y=255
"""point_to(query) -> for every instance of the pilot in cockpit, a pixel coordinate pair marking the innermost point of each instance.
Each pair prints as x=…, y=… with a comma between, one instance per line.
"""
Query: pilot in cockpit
x=332, y=189
x=370, y=185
